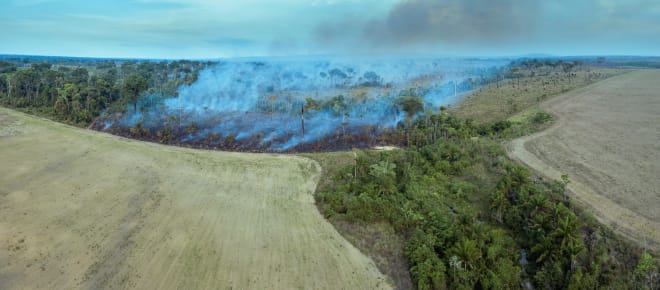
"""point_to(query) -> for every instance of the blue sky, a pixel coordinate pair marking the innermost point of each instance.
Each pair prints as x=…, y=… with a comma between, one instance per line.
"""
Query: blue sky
x=214, y=29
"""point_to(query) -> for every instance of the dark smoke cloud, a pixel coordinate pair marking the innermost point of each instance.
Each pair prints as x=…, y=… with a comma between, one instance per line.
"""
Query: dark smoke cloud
x=454, y=20
x=413, y=23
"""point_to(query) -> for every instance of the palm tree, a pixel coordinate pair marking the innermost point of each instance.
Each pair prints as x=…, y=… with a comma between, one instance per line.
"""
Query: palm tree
x=385, y=175
x=499, y=204
x=538, y=204
x=537, y=226
x=467, y=251
x=543, y=249
x=566, y=232
x=574, y=248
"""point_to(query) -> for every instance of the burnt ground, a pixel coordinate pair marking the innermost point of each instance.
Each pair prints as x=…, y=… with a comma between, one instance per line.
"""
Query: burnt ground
x=343, y=138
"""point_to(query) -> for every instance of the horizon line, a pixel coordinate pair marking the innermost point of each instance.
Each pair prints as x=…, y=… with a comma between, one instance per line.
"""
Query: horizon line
x=303, y=56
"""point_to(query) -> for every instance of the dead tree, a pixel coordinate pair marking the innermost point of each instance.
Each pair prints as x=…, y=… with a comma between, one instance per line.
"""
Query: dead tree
x=302, y=120
x=9, y=90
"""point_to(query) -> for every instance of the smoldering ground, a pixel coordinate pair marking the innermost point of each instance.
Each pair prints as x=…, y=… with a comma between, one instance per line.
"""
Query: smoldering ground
x=276, y=104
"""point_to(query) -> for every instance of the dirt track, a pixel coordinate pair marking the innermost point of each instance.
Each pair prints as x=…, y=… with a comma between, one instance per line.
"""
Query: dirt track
x=86, y=210
x=607, y=139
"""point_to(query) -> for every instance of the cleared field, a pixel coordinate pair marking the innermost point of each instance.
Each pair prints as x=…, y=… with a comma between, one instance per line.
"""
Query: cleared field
x=607, y=139
x=86, y=210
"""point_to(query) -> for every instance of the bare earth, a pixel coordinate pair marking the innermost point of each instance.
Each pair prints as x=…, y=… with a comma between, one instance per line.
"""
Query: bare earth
x=86, y=210
x=607, y=139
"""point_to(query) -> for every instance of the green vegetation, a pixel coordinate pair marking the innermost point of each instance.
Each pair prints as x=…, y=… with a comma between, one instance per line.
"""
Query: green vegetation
x=526, y=122
x=134, y=85
x=78, y=91
x=470, y=218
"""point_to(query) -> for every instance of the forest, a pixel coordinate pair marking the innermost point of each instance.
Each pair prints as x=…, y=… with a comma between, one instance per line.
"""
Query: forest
x=472, y=219
x=76, y=91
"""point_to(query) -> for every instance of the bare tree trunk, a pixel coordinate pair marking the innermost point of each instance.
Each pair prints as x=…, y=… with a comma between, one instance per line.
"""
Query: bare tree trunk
x=356, y=165
x=9, y=90
x=27, y=91
x=302, y=120
x=37, y=96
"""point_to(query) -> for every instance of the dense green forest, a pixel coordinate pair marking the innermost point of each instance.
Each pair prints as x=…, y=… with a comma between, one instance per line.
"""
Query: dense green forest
x=76, y=91
x=473, y=219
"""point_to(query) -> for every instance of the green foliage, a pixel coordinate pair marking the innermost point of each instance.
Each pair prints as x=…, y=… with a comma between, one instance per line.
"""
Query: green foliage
x=647, y=273
x=541, y=117
x=337, y=104
x=419, y=192
x=429, y=270
x=411, y=105
x=77, y=92
x=311, y=104
x=133, y=87
x=464, y=232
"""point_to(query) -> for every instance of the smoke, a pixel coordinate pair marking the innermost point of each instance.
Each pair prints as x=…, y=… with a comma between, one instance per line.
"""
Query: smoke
x=491, y=27
x=260, y=101
x=436, y=23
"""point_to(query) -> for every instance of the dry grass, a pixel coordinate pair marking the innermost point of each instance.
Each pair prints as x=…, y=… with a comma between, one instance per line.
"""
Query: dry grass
x=9, y=126
x=606, y=139
x=500, y=101
x=382, y=245
x=85, y=210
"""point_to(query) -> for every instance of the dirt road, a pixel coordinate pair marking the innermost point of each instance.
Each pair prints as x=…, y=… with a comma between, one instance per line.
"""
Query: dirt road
x=85, y=210
x=607, y=139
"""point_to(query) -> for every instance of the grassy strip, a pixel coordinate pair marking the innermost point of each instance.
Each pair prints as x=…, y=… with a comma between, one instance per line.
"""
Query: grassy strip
x=502, y=100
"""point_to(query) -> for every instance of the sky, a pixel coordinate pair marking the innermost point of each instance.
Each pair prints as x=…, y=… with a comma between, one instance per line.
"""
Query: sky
x=206, y=29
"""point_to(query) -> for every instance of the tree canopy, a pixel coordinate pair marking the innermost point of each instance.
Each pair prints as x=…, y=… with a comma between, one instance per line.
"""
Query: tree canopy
x=133, y=87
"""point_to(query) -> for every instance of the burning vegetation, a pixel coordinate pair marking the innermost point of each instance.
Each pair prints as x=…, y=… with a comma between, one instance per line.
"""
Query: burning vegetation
x=299, y=105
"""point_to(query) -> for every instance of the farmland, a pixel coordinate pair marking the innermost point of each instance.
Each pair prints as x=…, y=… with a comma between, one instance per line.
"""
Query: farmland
x=606, y=141
x=86, y=210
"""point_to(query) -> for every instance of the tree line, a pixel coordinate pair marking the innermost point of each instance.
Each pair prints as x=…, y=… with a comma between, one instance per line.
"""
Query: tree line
x=76, y=92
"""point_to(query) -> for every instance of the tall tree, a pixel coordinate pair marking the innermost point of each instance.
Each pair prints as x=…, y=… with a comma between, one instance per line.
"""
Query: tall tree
x=411, y=105
x=134, y=86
